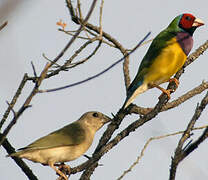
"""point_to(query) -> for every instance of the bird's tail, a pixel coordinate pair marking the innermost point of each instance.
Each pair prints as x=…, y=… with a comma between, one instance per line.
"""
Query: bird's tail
x=133, y=93
x=16, y=154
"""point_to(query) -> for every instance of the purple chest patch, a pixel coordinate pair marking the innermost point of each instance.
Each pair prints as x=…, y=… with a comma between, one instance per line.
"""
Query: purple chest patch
x=186, y=41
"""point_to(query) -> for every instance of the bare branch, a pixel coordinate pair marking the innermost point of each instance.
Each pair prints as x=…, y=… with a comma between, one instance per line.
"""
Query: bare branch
x=14, y=100
x=3, y=25
x=188, y=95
x=180, y=153
x=97, y=75
x=68, y=63
x=147, y=144
x=76, y=34
x=18, y=161
x=105, y=35
x=34, y=71
x=26, y=103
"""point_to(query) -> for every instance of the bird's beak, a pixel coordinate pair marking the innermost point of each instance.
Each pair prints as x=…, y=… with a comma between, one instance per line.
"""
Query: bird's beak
x=106, y=119
x=198, y=22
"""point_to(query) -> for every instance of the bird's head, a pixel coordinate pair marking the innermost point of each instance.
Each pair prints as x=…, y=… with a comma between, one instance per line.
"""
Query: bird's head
x=186, y=22
x=94, y=120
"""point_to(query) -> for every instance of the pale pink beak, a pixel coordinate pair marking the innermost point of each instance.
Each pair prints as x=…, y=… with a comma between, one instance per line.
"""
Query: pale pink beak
x=198, y=22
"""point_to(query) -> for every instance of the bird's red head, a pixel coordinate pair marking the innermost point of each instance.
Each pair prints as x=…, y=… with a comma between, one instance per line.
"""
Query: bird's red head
x=188, y=21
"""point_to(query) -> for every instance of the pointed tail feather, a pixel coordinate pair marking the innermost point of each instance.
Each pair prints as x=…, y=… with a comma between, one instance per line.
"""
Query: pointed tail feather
x=15, y=154
x=132, y=95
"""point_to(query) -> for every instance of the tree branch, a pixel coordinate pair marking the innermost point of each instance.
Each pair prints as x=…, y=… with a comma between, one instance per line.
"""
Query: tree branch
x=3, y=25
x=28, y=172
x=14, y=100
x=181, y=153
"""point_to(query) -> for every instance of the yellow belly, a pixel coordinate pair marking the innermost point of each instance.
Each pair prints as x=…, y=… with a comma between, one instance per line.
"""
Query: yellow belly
x=170, y=60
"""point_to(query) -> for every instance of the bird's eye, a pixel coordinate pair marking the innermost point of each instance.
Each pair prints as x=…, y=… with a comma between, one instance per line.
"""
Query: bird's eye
x=95, y=114
x=188, y=18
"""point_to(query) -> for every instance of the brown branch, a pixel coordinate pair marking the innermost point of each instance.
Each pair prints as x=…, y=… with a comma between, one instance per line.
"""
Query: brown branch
x=86, y=38
x=77, y=32
x=146, y=145
x=170, y=105
x=88, y=57
x=18, y=161
x=195, y=144
x=14, y=100
x=3, y=25
x=26, y=103
x=105, y=35
x=68, y=64
x=180, y=153
x=96, y=75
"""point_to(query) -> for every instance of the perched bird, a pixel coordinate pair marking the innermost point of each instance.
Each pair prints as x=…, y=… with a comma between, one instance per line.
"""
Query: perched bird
x=65, y=144
x=165, y=56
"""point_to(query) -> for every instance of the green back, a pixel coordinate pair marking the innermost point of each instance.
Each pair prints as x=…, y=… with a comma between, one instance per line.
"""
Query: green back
x=69, y=135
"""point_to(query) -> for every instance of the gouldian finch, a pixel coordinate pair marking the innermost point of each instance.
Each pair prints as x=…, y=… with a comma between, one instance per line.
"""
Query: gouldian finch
x=165, y=56
x=65, y=144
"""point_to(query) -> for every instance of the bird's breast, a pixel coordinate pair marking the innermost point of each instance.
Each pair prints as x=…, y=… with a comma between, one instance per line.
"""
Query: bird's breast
x=185, y=41
x=56, y=154
x=166, y=64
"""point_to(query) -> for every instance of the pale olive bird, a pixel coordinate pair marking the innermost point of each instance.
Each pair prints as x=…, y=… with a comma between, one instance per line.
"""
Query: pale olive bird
x=65, y=144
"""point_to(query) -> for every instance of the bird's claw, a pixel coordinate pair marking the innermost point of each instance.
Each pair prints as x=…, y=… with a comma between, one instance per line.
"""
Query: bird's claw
x=65, y=169
x=176, y=81
x=167, y=92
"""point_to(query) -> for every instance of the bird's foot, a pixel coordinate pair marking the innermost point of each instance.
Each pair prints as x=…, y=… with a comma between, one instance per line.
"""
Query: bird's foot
x=64, y=168
x=58, y=171
x=167, y=92
x=176, y=81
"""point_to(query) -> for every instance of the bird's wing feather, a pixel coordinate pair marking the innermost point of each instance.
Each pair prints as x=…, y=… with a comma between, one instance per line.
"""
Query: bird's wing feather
x=158, y=44
x=70, y=135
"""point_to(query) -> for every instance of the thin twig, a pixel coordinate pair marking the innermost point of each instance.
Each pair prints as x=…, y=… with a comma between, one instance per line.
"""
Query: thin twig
x=105, y=35
x=76, y=34
x=96, y=75
x=25, y=105
x=14, y=113
x=3, y=25
x=86, y=38
x=14, y=100
x=180, y=152
x=147, y=144
x=34, y=70
x=87, y=58
x=46, y=58
x=100, y=19
x=68, y=63
x=170, y=105
x=18, y=161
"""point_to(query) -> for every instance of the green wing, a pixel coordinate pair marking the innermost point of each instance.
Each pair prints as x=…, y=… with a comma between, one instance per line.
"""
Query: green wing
x=70, y=135
x=158, y=44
